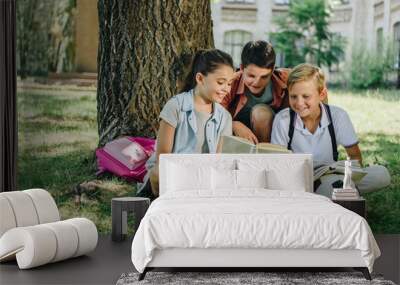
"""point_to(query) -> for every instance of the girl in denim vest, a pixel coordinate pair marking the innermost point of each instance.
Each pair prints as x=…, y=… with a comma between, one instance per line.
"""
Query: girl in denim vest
x=194, y=121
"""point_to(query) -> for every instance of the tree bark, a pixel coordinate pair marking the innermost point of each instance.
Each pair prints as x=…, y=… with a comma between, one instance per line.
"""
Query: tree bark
x=144, y=50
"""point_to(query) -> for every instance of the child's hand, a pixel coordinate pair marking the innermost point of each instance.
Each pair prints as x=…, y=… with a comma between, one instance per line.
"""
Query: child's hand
x=240, y=130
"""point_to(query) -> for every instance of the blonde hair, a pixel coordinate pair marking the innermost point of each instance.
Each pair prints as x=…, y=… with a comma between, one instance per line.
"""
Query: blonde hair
x=306, y=71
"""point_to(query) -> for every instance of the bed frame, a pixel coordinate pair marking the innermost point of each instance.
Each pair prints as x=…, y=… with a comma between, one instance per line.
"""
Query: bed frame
x=242, y=258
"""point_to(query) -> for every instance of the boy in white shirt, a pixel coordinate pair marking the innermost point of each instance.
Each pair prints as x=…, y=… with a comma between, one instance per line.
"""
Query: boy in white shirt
x=309, y=126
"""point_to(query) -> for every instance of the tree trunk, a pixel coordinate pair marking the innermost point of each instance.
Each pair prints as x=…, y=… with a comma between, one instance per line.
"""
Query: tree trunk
x=144, y=49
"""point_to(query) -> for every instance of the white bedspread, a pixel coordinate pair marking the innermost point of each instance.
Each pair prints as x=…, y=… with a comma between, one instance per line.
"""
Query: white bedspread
x=253, y=218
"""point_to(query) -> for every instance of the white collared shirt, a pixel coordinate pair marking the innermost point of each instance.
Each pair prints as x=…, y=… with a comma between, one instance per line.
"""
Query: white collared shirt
x=319, y=143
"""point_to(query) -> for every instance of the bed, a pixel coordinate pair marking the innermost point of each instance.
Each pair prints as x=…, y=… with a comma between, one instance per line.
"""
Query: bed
x=247, y=210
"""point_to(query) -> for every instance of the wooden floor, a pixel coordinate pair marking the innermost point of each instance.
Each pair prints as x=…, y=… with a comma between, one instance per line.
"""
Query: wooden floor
x=103, y=266
x=110, y=260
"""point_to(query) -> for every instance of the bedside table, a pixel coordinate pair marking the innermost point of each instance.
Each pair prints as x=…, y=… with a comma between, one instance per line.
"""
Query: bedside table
x=356, y=205
x=120, y=208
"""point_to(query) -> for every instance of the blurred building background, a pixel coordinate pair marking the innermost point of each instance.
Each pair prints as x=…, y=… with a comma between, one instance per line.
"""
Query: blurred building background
x=359, y=21
x=87, y=36
x=70, y=30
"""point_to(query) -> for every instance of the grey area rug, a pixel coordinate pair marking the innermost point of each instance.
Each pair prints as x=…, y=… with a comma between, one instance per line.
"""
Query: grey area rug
x=273, y=278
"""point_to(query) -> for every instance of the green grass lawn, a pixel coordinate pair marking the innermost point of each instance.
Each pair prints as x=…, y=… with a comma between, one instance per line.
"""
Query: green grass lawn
x=58, y=136
x=376, y=118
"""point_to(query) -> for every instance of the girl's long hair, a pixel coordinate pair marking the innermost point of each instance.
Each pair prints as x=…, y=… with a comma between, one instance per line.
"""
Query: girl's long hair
x=204, y=62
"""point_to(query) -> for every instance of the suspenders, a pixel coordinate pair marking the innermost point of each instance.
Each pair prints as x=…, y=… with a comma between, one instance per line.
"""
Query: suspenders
x=291, y=128
x=330, y=128
x=332, y=133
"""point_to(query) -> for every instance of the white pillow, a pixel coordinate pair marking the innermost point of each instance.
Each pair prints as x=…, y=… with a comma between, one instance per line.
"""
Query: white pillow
x=278, y=180
x=185, y=177
x=228, y=179
x=223, y=179
x=284, y=174
x=251, y=178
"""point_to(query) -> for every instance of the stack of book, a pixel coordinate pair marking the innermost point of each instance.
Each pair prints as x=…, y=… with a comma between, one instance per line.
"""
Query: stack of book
x=345, y=194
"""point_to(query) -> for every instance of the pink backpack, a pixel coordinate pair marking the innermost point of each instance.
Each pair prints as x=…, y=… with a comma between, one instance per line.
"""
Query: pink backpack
x=125, y=157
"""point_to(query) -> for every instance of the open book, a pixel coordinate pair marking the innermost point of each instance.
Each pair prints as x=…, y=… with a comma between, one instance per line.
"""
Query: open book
x=338, y=168
x=232, y=144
